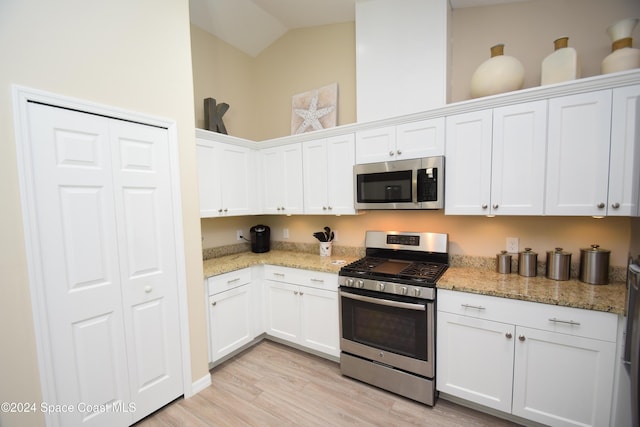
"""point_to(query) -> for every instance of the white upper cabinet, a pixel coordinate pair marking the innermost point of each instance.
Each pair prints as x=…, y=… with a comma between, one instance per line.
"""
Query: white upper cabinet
x=624, y=164
x=468, y=163
x=496, y=161
x=226, y=179
x=518, y=159
x=281, y=179
x=406, y=141
x=578, y=154
x=328, y=175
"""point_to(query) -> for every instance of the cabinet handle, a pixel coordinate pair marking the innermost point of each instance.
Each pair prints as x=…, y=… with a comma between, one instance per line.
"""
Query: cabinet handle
x=230, y=281
x=485, y=206
x=615, y=205
x=521, y=338
x=477, y=307
x=568, y=322
x=601, y=205
x=496, y=206
x=508, y=335
x=317, y=280
x=213, y=303
x=279, y=274
x=391, y=153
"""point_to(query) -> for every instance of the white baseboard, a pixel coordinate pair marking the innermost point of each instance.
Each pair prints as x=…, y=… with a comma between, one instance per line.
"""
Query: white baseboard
x=199, y=385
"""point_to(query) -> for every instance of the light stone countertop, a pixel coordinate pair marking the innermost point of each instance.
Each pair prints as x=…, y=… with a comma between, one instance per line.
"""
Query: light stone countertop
x=571, y=293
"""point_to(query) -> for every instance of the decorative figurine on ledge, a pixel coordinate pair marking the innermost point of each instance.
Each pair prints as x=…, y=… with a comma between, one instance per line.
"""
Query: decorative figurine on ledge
x=213, y=115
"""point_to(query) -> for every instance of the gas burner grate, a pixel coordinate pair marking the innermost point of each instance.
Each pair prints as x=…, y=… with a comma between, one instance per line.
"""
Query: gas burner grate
x=427, y=271
x=364, y=265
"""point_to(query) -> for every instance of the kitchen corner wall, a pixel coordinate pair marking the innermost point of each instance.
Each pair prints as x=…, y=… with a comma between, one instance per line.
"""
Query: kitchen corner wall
x=309, y=58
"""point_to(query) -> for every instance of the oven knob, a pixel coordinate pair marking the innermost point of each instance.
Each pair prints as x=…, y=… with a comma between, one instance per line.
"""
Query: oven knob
x=403, y=290
x=381, y=286
x=416, y=292
x=349, y=282
x=359, y=284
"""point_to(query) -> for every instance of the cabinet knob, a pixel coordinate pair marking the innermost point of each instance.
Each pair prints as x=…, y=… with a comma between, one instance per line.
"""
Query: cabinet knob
x=399, y=152
x=391, y=153
x=301, y=293
x=495, y=206
x=225, y=210
x=148, y=289
x=330, y=208
x=485, y=206
x=283, y=208
x=220, y=210
x=615, y=205
x=213, y=303
x=521, y=338
x=601, y=205
x=324, y=208
x=295, y=292
x=508, y=335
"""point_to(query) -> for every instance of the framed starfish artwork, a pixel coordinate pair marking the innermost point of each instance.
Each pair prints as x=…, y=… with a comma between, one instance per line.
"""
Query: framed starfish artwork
x=315, y=109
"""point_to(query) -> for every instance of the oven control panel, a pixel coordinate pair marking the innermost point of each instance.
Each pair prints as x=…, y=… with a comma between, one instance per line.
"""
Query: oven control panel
x=403, y=239
x=419, y=292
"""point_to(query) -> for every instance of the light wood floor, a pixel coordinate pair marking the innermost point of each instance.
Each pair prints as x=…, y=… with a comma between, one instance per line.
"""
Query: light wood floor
x=273, y=385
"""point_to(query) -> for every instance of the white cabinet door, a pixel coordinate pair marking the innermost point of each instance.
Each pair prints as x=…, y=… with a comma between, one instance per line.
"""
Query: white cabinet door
x=328, y=175
x=316, y=176
x=624, y=165
x=562, y=380
x=578, y=154
x=475, y=359
x=340, y=185
x=208, y=155
x=282, y=186
x=376, y=145
x=283, y=310
x=103, y=196
x=518, y=159
x=230, y=321
x=468, y=167
x=320, y=320
x=226, y=179
x=420, y=139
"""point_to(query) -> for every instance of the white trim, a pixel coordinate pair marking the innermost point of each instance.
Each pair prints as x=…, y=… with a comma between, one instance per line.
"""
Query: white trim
x=200, y=385
x=21, y=96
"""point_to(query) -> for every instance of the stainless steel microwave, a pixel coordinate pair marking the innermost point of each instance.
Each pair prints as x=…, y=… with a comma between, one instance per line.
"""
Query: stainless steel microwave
x=400, y=184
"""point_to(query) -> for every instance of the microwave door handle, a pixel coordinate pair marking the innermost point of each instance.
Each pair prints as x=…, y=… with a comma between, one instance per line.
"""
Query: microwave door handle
x=385, y=302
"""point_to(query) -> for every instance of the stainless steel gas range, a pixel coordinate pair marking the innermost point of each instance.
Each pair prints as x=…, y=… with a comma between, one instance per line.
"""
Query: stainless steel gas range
x=387, y=312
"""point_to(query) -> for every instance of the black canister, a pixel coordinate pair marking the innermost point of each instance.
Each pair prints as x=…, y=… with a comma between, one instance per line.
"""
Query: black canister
x=503, y=262
x=558, y=264
x=594, y=265
x=528, y=263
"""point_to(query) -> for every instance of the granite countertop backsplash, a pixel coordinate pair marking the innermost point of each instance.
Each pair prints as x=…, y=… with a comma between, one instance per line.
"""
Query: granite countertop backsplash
x=465, y=274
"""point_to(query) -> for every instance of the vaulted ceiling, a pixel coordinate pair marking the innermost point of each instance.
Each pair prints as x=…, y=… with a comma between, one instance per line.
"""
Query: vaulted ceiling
x=252, y=25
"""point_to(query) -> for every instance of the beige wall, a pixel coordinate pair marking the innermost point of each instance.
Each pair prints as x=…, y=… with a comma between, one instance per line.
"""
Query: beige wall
x=132, y=55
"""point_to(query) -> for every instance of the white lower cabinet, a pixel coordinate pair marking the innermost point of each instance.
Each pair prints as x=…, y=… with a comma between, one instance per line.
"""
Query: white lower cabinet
x=302, y=308
x=231, y=313
x=549, y=364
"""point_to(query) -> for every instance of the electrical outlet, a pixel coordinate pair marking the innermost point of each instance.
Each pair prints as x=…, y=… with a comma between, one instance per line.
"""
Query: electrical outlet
x=239, y=234
x=513, y=245
x=285, y=233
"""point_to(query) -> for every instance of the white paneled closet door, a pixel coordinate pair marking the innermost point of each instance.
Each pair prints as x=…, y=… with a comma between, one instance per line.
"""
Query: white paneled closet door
x=102, y=192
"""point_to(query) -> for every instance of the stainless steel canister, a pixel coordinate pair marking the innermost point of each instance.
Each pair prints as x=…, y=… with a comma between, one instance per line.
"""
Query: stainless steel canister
x=558, y=264
x=503, y=262
x=527, y=263
x=594, y=265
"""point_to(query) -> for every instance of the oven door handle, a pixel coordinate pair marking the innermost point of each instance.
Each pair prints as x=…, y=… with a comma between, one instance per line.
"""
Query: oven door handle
x=388, y=303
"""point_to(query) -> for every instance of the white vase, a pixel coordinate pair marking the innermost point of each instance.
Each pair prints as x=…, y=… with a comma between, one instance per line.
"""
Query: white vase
x=561, y=65
x=325, y=248
x=623, y=56
x=498, y=74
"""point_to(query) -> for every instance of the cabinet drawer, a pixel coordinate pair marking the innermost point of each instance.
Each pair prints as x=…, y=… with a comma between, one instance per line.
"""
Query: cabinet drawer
x=226, y=281
x=296, y=276
x=566, y=320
